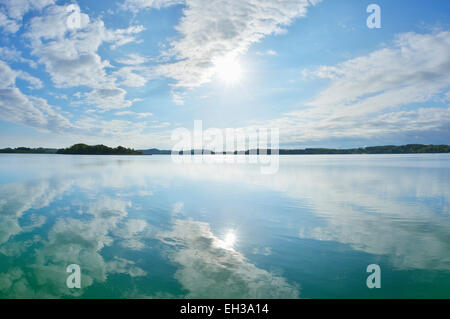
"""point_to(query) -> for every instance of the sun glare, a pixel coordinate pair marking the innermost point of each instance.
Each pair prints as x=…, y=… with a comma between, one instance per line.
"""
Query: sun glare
x=228, y=241
x=228, y=69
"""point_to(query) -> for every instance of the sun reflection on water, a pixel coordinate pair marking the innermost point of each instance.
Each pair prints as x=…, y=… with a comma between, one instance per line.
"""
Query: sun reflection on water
x=228, y=241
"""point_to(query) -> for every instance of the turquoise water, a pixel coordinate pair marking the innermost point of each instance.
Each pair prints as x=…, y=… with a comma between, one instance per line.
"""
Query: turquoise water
x=145, y=227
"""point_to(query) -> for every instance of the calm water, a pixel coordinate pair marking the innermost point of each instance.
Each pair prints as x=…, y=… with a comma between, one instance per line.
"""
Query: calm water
x=144, y=227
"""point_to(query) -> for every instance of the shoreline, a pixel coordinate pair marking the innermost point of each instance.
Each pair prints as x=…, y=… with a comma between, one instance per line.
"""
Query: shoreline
x=145, y=155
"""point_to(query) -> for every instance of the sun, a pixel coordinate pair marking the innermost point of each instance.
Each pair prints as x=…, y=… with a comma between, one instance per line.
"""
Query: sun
x=228, y=69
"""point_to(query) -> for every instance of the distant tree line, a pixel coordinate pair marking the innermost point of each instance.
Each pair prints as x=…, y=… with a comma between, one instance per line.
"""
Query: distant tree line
x=26, y=150
x=78, y=149
x=389, y=149
x=83, y=149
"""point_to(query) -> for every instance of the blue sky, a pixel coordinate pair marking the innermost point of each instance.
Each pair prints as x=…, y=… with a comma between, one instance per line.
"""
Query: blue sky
x=129, y=72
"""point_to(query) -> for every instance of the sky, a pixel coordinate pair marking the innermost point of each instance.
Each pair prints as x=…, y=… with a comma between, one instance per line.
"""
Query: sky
x=130, y=72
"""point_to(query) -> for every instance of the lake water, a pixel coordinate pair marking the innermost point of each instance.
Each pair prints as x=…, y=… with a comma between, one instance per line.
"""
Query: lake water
x=145, y=227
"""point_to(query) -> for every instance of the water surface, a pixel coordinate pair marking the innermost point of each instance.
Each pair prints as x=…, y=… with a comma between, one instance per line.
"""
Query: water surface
x=144, y=227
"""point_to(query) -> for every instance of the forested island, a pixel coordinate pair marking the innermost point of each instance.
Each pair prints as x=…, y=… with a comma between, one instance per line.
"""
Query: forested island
x=83, y=149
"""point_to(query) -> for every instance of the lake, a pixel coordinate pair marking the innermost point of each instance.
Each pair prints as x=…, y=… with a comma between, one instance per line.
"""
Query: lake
x=146, y=227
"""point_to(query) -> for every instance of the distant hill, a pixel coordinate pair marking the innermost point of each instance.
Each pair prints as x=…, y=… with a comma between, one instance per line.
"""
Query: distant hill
x=388, y=149
x=83, y=149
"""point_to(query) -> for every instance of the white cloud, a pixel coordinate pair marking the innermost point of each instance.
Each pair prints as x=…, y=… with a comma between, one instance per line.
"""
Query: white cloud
x=123, y=266
x=31, y=111
x=268, y=52
x=367, y=95
x=368, y=220
x=77, y=241
x=177, y=96
x=21, y=197
x=35, y=112
x=35, y=82
x=71, y=61
x=136, y=5
x=132, y=76
x=13, y=55
x=209, y=269
x=70, y=55
x=69, y=240
x=416, y=62
x=161, y=125
x=213, y=29
x=15, y=10
x=8, y=25
x=266, y=251
x=124, y=36
x=28, y=110
x=120, y=132
x=137, y=114
x=8, y=77
x=130, y=233
x=177, y=208
x=107, y=98
x=133, y=59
